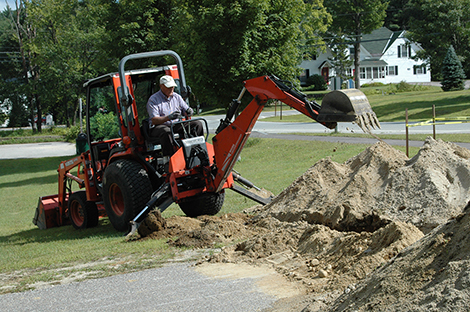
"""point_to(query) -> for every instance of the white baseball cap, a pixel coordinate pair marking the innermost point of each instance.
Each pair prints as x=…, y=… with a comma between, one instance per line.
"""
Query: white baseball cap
x=167, y=81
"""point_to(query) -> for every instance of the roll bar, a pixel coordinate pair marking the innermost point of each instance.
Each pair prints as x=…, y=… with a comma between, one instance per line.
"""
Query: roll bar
x=126, y=98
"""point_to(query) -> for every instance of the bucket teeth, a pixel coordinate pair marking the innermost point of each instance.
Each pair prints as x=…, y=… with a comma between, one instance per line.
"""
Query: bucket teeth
x=367, y=122
x=376, y=122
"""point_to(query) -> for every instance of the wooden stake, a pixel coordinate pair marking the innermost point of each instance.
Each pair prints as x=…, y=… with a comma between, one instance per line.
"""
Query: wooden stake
x=406, y=132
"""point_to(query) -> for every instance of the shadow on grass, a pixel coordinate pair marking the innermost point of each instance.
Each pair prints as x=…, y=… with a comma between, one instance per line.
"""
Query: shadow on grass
x=52, y=178
x=104, y=229
x=31, y=165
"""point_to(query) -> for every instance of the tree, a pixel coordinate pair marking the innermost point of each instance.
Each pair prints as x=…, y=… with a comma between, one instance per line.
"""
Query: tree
x=396, y=18
x=452, y=72
x=225, y=42
x=355, y=18
x=25, y=83
x=138, y=26
x=67, y=51
x=18, y=116
x=340, y=60
x=438, y=24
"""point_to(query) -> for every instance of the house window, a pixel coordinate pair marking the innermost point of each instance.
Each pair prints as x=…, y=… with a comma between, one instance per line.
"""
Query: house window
x=378, y=72
x=404, y=51
x=375, y=71
x=392, y=70
x=419, y=69
x=369, y=73
x=362, y=73
x=351, y=53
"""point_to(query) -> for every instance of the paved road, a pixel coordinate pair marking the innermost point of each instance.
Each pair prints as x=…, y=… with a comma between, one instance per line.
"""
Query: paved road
x=37, y=150
x=171, y=288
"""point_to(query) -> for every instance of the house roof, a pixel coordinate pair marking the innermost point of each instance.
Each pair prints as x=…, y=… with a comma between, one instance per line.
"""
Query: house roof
x=373, y=62
x=377, y=41
x=327, y=63
x=395, y=36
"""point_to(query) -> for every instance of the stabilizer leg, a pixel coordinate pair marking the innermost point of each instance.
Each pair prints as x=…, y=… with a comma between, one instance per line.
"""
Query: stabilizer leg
x=161, y=199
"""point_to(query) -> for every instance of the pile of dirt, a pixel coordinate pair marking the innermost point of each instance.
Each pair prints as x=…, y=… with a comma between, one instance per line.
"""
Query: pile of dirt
x=343, y=230
x=432, y=275
x=378, y=186
x=201, y=232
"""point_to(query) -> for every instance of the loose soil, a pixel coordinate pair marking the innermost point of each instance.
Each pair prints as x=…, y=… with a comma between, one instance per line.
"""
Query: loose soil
x=380, y=232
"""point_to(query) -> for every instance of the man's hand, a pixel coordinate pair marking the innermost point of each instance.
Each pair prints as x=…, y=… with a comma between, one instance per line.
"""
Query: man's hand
x=174, y=115
x=189, y=112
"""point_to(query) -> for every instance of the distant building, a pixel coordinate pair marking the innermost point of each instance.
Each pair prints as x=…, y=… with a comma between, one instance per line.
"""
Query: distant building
x=386, y=57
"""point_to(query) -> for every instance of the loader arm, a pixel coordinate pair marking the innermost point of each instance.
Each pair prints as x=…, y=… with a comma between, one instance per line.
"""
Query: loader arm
x=232, y=136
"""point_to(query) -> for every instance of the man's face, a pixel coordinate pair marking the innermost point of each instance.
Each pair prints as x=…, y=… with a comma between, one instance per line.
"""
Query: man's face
x=167, y=91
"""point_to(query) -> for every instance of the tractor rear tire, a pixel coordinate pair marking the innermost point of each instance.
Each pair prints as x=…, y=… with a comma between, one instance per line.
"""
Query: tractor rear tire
x=82, y=213
x=205, y=204
x=127, y=188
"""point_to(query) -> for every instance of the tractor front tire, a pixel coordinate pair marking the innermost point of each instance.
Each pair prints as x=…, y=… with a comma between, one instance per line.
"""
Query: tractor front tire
x=204, y=204
x=127, y=188
x=82, y=213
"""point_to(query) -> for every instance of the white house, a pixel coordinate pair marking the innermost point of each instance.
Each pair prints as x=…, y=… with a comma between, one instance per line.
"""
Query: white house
x=386, y=57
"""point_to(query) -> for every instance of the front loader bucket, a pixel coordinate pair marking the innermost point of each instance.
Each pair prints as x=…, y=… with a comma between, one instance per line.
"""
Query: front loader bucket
x=47, y=212
x=350, y=105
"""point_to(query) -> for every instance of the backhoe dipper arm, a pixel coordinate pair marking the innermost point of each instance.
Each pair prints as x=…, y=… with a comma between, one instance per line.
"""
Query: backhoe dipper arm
x=231, y=137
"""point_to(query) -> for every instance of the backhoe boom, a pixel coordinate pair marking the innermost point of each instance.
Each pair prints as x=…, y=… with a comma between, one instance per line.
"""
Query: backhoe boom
x=232, y=136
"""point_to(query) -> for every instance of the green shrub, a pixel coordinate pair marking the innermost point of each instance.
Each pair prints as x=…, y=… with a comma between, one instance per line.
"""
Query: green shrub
x=372, y=84
x=71, y=133
x=403, y=86
x=316, y=83
x=104, y=126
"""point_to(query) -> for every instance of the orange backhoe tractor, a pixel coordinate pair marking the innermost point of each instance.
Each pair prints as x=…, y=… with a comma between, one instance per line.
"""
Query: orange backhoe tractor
x=125, y=177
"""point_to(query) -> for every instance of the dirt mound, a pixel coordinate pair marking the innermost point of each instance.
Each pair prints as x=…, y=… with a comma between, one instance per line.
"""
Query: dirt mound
x=380, y=185
x=201, y=232
x=432, y=275
x=338, y=223
x=323, y=259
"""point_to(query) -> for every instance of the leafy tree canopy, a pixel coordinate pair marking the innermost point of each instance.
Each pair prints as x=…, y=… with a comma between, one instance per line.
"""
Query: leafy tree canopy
x=438, y=24
x=226, y=42
x=353, y=18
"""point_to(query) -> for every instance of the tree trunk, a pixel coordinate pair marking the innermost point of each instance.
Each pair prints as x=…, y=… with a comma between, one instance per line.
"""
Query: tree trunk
x=39, y=110
x=357, y=59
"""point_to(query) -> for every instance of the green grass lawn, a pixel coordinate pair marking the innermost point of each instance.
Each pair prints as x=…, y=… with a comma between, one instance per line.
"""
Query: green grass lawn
x=269, y=163
x=391, y=106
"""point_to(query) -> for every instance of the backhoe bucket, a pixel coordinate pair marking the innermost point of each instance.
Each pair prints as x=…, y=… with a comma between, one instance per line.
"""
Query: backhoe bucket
x=350, y=105
x=46, y=215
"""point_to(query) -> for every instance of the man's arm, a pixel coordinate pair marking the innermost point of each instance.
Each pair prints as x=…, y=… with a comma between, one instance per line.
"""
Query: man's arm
x=158, y=120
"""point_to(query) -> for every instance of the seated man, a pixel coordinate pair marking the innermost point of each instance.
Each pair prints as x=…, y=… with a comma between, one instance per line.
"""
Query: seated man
x=165, y=107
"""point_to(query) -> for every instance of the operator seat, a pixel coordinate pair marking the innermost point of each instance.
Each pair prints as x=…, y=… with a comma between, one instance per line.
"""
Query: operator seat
x=153, y=143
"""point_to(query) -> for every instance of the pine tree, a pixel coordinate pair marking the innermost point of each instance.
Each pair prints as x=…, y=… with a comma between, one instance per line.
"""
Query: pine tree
x=452, y=72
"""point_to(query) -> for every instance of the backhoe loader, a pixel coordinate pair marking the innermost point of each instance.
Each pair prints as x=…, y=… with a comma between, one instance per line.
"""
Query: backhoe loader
x=126, y=176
